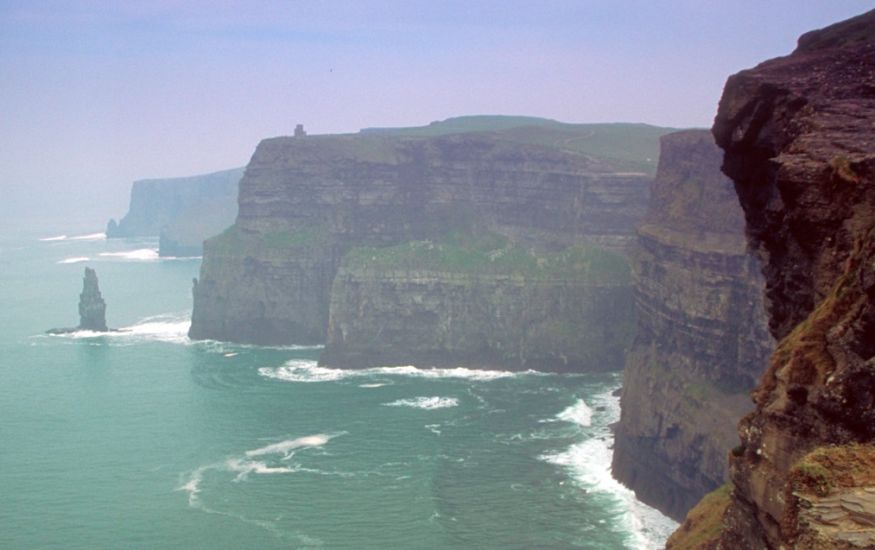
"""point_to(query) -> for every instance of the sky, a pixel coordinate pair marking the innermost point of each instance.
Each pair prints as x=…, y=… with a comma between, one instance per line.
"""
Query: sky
x=95, y=95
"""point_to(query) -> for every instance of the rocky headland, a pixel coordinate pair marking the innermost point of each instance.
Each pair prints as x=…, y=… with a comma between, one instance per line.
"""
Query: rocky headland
x=799, y=144
x=182, y=212
x=92, y=308
x=701, y=337
x=398, y=247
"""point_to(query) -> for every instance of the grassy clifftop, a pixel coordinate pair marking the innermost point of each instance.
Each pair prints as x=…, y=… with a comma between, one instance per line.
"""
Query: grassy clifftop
x=636, y=146
x=492, y=254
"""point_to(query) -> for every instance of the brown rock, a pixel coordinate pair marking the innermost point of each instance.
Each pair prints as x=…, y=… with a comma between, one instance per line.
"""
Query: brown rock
x=799, y=142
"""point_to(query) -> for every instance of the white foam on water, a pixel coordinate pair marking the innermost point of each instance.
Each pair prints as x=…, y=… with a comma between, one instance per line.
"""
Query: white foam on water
x=589, y=463
x=425, y=403
x=160, y=328
x=74, y=260
x=90, y=237
x=298, y=370
x=172, y=328
x=285, y=447
x=371, y=385
x=245, y=467
x=579, y=413
x=139, y=255
x=56, y=238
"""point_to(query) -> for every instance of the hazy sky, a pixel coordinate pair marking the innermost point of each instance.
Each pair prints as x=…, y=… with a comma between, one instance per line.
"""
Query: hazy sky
x=96, y=94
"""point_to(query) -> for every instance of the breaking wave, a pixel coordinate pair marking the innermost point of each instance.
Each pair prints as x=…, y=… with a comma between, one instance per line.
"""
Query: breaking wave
x=139, y=255
x=589, y=463
x=243, y=466
x=172, y=328
x=579, y=413
x=426, y=403
x=74, y=260
x=88, y=237
x=298, y=370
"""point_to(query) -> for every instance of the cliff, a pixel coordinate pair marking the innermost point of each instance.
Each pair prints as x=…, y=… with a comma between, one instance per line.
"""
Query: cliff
x=181, y=211
x=307, y=203
x=460, y=303
x=799, y=144
x=701, y=334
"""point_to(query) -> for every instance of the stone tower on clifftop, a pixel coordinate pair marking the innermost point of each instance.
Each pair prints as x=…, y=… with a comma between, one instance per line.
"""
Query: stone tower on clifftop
x=299, y=131
x=92, y=308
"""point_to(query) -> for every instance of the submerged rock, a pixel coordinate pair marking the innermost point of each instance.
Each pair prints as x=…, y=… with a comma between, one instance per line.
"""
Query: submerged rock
x=92, y=307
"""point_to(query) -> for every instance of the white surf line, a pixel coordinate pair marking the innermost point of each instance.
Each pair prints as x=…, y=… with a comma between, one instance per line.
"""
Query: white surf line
x=589, y=463
x=298, y=370
x=425, y=403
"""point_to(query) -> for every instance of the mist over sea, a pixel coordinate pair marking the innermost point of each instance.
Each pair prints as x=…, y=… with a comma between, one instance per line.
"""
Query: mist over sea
x=144, y=439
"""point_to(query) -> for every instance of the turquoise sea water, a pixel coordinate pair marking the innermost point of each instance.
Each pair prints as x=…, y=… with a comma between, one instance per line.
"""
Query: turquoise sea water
x=143, y=439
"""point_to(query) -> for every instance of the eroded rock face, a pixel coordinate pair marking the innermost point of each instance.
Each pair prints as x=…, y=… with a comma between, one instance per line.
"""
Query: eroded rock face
x=305, y=203
x=570, y=311
x=92, y=308
x=799, y=143
x=182, y=211
x=702, y=337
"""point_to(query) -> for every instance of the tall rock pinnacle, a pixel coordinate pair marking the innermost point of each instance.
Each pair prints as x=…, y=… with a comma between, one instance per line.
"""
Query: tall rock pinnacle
x=92, y=308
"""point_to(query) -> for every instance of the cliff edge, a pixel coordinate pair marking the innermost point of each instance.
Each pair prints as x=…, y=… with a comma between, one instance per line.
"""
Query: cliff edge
x=799, y=142
x=333, y=234
x=701, y=338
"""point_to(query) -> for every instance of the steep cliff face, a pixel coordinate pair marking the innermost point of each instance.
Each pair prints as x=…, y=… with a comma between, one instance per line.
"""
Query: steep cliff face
x=306, y=202
x=182, y=211
x=799, y=143
x=493, y=304
x=702, y=337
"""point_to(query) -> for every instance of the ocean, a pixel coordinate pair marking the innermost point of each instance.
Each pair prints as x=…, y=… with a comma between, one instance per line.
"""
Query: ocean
x=144, y=439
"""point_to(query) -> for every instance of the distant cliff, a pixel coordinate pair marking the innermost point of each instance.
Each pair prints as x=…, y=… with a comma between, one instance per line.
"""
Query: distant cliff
x=181, y=211
x=701, y=338
x=331, y=231
x=799, y=144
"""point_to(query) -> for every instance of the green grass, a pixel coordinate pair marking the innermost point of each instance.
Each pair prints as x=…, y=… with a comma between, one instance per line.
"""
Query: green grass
x=703, y=523
x=493, y=255
x=636, y=146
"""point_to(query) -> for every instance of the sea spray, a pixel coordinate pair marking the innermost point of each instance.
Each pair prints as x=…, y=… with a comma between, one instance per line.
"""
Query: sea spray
x=589, y=463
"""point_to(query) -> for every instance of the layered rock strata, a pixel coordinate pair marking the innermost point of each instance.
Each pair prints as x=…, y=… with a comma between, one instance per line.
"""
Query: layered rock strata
x=503, y=306
x=182, y=212
x=701, y=338
x=305, y=203
x=799, y=143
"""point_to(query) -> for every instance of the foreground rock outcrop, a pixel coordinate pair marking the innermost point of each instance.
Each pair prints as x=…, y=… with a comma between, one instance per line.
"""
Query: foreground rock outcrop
x=702, y=337
x=182, y=212
x=799, y=143
x=92, y=308
x=333, y=234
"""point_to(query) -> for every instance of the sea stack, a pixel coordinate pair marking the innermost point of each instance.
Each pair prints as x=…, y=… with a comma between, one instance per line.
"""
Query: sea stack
x=92, y=308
